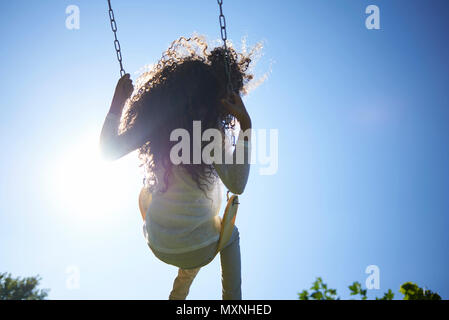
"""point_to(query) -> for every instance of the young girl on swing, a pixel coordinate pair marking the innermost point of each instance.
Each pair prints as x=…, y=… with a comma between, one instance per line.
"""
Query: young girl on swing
x=188, y=84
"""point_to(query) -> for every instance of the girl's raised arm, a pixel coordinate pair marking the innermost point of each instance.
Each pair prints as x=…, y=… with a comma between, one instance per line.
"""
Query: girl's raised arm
x=113, y=145
x=234, y=175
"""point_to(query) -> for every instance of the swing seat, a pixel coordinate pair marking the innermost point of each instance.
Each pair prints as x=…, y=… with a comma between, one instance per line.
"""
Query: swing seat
x=144, y=202
x=227, y=222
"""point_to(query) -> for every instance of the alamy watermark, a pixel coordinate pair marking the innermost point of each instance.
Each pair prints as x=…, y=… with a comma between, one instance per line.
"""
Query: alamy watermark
x=372, y=282
x=372, y=22
x=72, y=21
x=73, y=277
x=252, y=147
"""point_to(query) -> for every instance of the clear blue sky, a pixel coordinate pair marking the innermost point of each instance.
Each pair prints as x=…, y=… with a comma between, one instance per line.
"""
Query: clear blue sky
x=363, y=119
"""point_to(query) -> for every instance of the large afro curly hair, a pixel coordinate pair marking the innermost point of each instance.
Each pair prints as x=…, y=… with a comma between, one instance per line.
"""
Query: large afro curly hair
x=185, y=85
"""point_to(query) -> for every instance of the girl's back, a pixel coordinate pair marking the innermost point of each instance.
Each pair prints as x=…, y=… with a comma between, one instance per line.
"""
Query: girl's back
x=183, y=217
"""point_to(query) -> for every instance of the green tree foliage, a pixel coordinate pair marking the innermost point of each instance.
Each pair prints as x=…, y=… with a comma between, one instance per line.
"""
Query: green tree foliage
x=356, y=289
x=411, y=291
x=21, y=288
x=320, y=291
x=389, y=295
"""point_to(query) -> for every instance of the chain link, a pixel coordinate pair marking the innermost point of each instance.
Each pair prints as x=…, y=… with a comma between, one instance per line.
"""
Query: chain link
x=230, y=120
x=116, y=42
x=224, y=37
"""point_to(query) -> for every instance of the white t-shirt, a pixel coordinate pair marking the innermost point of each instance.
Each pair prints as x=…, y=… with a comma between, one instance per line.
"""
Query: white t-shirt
x=183, y=218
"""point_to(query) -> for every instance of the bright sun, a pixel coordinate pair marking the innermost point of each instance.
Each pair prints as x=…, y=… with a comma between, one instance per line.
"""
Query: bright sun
x=88, y=187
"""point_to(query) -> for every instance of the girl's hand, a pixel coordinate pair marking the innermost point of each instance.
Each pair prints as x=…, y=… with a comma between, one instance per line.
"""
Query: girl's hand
x=234, y=105
x=123, y=91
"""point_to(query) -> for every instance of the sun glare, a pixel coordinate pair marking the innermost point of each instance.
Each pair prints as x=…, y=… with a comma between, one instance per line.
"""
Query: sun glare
x=88, y=187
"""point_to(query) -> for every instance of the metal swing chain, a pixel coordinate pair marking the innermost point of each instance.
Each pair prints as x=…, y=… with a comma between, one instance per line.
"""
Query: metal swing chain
x=224, y=37
x=227, y=63
x=116, y=42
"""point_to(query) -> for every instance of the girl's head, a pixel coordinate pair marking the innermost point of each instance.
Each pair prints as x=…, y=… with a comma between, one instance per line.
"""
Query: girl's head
x=187, y=84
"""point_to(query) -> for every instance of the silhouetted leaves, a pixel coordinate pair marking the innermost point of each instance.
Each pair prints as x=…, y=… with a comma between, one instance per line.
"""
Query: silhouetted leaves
x=411, y=291
x=320, y=291
x=21, y=288
x=389, y=295
x=356, y=289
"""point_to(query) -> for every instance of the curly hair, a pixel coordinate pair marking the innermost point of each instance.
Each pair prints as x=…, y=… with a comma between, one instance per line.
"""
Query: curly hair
x=185, y=85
